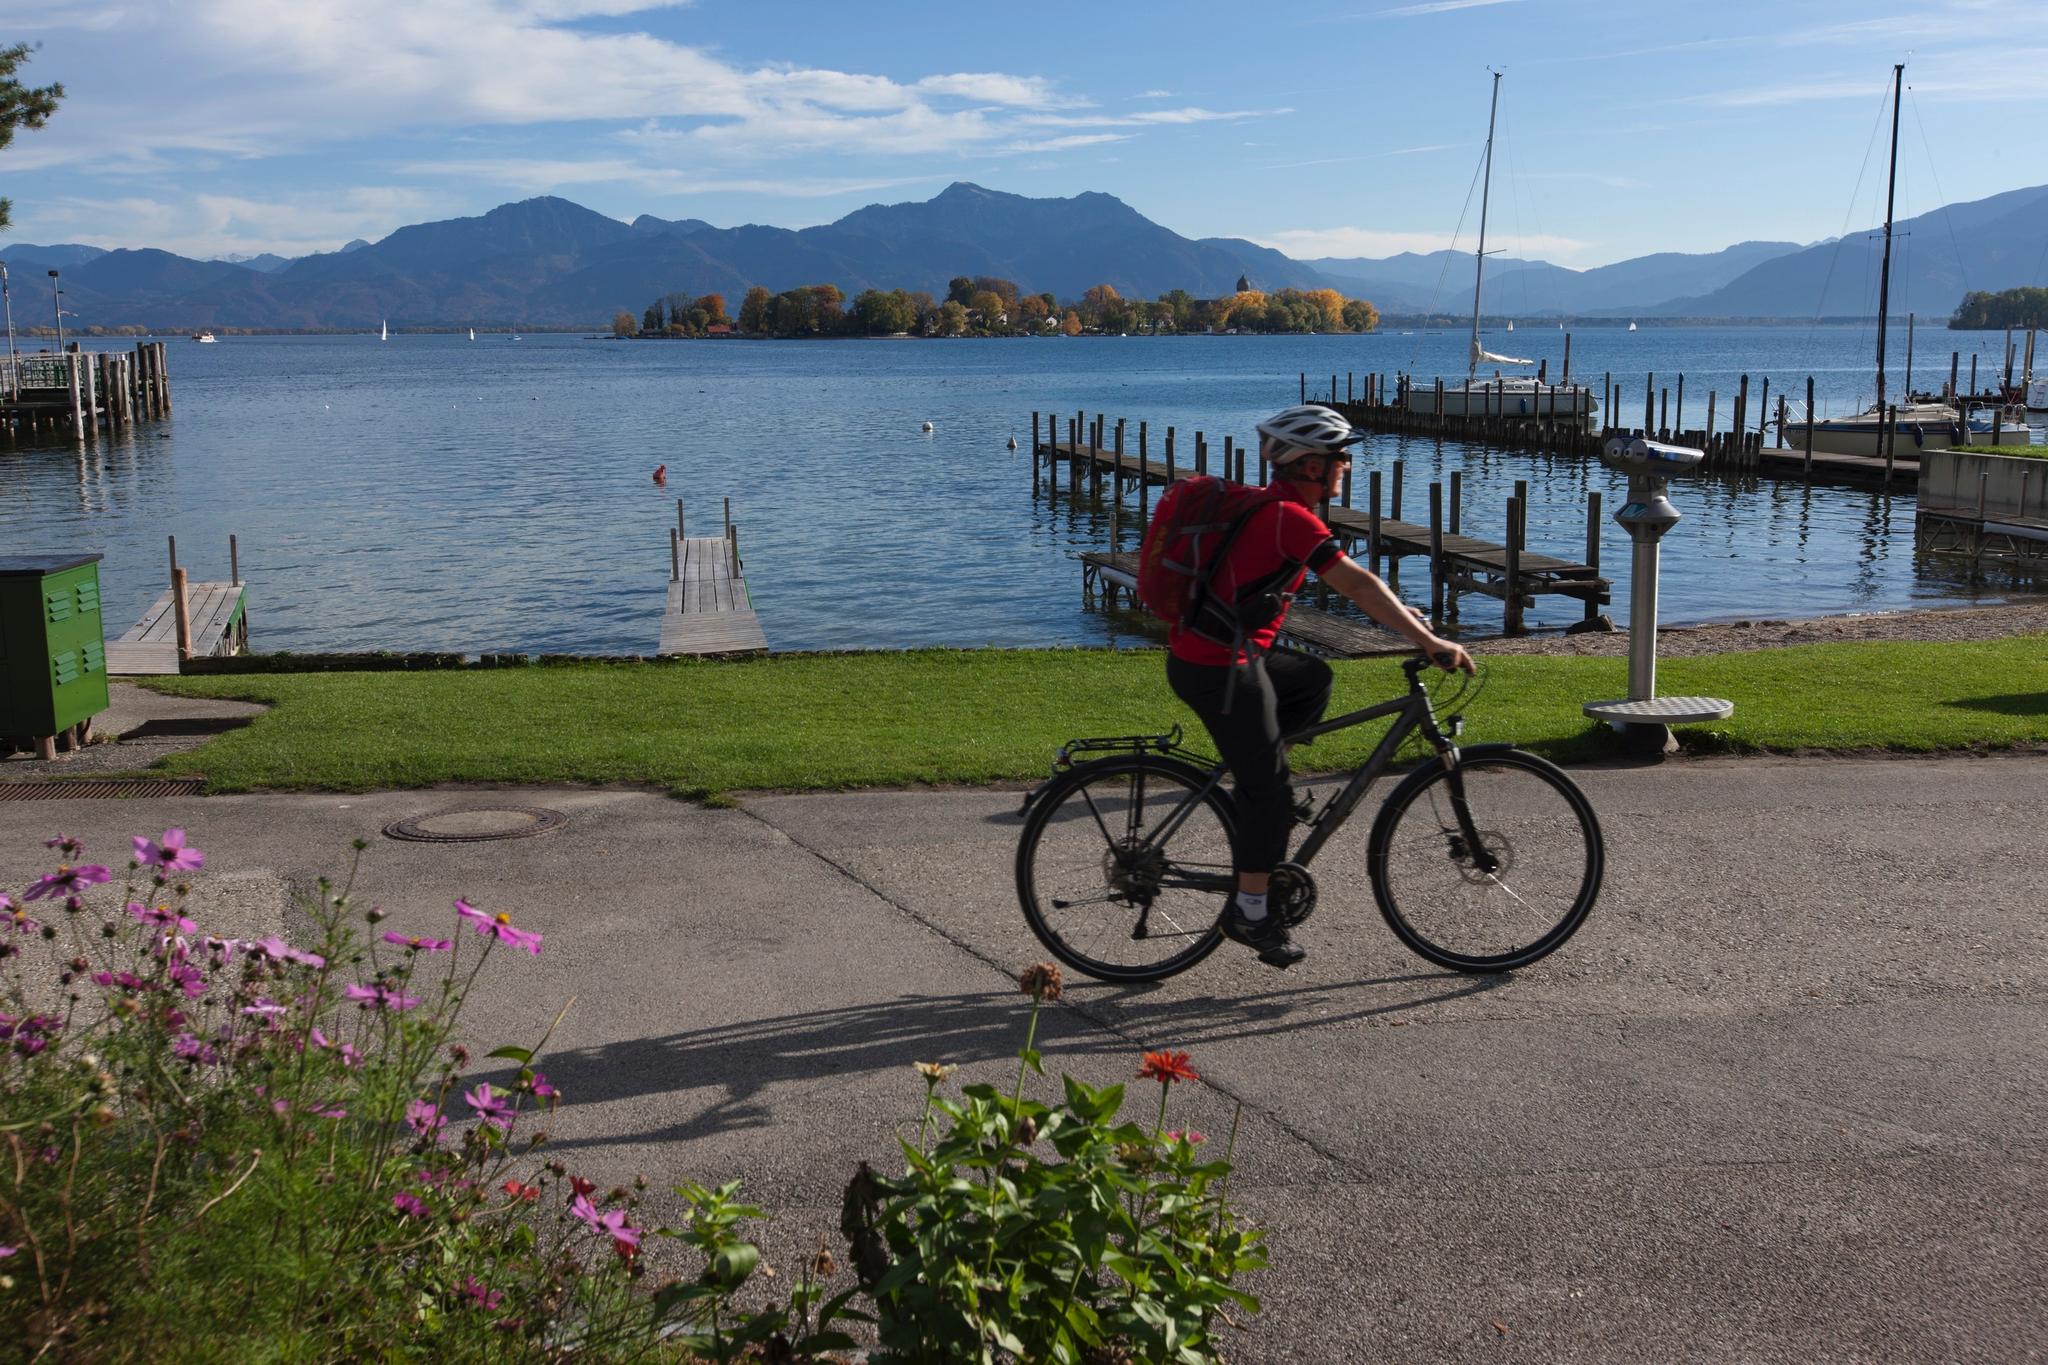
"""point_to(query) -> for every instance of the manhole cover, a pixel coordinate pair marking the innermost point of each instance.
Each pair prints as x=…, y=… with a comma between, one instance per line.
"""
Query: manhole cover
x=477, y=824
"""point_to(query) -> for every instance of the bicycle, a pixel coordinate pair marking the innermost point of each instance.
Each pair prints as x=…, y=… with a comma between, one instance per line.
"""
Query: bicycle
x=1483, y=859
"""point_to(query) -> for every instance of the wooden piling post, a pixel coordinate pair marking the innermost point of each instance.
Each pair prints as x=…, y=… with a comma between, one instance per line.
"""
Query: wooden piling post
x=234, y=562
x=1117, y=480
x=163, y=375
x=1232, y=460
x=1035, y=452
x=72, y=368
x=1512, y=623
x=183, y=607
x=1664, y=414
x=1457, y=499
x=1304, y=386
x=1144, y=477
x=1763, y=409
x=1593, y=549
x=1372, y=523
x=1678, y=413
x=728, y=517
x=1394, y=496
x=1172, y=472
x=679, y=518
x=1568, y=362
x=1436, y=552
x=1809, y=426
x=1740, y=424
x=1712, y=398
x=1201, y=453
x=675, y=557
x=732, y=541
x=173, y=540
x=1891, y=440
x=1955, y=359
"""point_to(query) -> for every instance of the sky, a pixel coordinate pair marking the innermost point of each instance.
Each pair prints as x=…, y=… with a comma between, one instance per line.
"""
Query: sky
x=1320, y=127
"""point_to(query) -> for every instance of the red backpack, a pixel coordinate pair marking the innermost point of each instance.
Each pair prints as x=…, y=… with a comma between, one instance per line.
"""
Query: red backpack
x=1192, y=528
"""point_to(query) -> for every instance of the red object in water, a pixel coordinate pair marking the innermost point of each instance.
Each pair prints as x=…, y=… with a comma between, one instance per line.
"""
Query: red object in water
x=661, y=473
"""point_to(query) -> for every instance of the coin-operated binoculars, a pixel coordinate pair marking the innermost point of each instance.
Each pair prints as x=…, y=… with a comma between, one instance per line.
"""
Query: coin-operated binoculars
x=1644, y=718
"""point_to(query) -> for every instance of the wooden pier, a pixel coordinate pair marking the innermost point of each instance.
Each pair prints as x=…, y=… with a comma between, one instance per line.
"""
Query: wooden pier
x=80, y=394
x=1375, y=534
x=709, y=611
x=1403, y=404
x=188, y=621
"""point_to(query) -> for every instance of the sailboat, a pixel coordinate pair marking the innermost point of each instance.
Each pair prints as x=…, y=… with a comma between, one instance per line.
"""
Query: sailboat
x=385, y=335
x=1631, y=326
x=472, y=334
x=1499, y=395
x=1511, y=324
x=1921, y=425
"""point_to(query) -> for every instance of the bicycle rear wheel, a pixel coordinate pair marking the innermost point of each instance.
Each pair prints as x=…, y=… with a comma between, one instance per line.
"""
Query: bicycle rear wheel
x=1507, y=900
x=1122, y=873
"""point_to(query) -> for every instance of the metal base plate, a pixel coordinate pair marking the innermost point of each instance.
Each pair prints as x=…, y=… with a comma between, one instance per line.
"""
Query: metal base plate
x=1660, y=710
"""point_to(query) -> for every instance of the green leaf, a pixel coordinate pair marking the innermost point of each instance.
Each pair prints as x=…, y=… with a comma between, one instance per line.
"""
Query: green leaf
x=520, y=1055
x=733, y=1264
x=1031, y=1059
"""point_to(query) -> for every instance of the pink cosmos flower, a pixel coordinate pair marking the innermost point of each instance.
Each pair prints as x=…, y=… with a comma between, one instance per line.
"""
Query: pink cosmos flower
x=264, y=1009
x=409, y=1205
x=499, y=927
x=541, y=1090
x=425, y=1119
x=66, y=880
x=69, y=844
x=277, y=950
x=15, y=918
x=625, y=1239
x=168, y=853
x=480, y=1294
x=380, y=996
x=5, y=1252
x=193, y=1050
x=418, y=944
x=164, y=917
x=492, y=1108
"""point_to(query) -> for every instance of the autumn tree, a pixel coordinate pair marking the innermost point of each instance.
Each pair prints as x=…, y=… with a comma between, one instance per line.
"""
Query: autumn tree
x=959, y=289
x=1097, y=299
x=21, y=106
x=990, y=307
x=1032, y=312
x=713, y=306
x=1361, y=316
x=1006, y=290
x=754, y=310
x=882, y=313
x=650, y=321
x=952, y=318
x=825, y=303
x=1329, y=305
x=623, y=324
x=1070, y=325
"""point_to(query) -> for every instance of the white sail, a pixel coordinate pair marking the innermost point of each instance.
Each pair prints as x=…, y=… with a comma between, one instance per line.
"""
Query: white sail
x=1482, y=356
x=1511, y=324
x=1631, y=326
x=472, y=334
x=385, y=334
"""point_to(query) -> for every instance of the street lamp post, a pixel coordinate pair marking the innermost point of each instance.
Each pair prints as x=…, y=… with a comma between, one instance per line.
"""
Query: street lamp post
x=57, y=302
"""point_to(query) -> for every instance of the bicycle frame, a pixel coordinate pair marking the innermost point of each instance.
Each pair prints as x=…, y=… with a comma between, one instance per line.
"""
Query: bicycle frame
x=1411, y=712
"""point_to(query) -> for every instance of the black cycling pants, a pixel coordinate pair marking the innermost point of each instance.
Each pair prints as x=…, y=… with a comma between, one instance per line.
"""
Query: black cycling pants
x=1276, y=695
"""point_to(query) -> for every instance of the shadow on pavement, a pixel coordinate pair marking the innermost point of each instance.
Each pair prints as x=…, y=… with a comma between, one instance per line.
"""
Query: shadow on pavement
x=725, y=1073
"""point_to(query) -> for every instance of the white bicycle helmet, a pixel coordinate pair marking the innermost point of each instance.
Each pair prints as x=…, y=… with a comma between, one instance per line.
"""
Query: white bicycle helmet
x=1310, y=429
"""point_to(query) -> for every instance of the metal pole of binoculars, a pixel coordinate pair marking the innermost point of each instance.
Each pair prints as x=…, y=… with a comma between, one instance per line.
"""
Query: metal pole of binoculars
x=1644, y=718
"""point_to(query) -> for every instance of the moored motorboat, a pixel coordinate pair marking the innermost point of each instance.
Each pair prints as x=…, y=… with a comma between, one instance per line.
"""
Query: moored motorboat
x=202, y=336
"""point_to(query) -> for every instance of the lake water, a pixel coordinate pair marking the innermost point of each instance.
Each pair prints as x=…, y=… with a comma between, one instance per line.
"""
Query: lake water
x=433, y=493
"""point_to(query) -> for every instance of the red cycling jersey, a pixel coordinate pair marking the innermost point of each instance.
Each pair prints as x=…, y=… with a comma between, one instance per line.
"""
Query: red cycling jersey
x=1279, y=535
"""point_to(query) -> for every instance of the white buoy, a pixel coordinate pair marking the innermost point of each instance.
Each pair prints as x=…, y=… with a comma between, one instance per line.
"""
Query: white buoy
x=927, y=426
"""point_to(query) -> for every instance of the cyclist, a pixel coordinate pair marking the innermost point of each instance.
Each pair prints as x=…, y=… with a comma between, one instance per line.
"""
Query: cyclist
x=1248, y=693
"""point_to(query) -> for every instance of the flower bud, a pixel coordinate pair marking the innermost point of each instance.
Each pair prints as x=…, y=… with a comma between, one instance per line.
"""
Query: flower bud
x=375, y=914
x=101, y=1115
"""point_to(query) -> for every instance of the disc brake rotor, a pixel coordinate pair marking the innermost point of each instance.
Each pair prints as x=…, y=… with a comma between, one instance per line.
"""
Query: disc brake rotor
x=1497, y=844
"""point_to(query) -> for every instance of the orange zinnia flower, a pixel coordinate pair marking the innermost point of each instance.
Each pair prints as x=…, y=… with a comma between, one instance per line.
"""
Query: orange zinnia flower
x=1167, y=1067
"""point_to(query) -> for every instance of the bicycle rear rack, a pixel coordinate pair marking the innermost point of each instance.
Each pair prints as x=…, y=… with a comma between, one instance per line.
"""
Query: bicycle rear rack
x=1094, y=746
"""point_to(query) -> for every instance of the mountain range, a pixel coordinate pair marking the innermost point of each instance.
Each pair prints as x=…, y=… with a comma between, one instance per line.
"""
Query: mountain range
x=548, y=261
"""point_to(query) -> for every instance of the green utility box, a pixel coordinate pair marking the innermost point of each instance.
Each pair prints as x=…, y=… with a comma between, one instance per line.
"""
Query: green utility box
x=53, y=648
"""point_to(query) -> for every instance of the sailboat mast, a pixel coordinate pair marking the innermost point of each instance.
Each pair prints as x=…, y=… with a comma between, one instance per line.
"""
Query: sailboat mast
x=1884, y=278
x=1479, y=257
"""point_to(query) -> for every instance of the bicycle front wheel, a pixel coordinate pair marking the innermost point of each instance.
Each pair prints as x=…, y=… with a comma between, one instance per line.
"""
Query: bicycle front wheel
x=1499, y=884
x=1125, y=867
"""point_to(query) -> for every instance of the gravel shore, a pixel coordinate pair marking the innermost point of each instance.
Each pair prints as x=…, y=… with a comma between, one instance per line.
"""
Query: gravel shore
x=1957, y=623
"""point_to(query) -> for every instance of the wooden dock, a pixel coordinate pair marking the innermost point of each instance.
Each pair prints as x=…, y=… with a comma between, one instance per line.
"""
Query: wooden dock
x=1375, y=534
x=709, y=609
x=80, y=393
x=217, y=625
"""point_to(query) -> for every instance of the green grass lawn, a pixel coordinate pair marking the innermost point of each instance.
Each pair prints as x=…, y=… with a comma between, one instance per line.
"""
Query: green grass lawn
x=964, y=716
x=2023, y=452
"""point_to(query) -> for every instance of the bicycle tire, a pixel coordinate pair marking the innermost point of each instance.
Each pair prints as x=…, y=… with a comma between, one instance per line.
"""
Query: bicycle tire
x=1054, y=881
x=1481, y=922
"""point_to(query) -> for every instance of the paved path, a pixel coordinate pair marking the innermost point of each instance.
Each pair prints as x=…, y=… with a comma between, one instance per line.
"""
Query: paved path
x=1781, y=1100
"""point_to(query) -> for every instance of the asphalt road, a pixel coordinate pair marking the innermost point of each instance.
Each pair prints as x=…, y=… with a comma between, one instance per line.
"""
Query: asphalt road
x=1782, y=1099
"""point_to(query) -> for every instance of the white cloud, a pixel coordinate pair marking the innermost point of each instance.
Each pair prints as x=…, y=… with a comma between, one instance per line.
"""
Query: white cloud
x=1149, y=118
x=1440, y=7
x=206, y=225
x=1310, y=243
x=1071, y=140
x=1154, y=95
x=545, y=176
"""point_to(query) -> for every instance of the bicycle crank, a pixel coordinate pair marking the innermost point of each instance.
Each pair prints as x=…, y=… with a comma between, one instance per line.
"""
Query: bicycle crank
x=1291, y=894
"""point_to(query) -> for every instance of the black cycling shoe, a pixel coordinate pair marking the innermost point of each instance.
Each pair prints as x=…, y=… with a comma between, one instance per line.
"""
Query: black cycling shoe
x=1267, y=937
